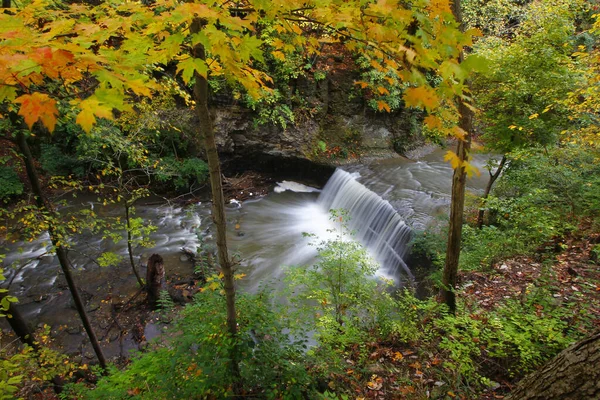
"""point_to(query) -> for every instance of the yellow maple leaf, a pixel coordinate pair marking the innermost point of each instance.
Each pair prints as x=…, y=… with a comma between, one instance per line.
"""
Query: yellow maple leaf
x=453, y=159
x=421, y=96
x=459, y=133
x=471, y=170
x=432, y=122
x=278, y=55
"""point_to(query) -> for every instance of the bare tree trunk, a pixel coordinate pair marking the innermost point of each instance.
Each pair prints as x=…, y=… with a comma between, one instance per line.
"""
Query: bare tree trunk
x=457, y=201
x=218, y=202
x=155, y=278
x=18, y=324
x=488, y=189
x=129, y=239
x=45, y=206
x=572, y=375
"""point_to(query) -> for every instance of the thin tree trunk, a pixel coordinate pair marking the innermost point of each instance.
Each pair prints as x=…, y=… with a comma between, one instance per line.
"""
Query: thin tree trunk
x=18, y=324
x=488, y=189
x=218, y=202
x=572, y=375
x=45, y=206
x=457, y=201
x=129, y=249
x=155, y=278
x=14, y=317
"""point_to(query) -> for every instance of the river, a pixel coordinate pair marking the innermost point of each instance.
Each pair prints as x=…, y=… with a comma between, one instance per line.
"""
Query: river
x=387, y=199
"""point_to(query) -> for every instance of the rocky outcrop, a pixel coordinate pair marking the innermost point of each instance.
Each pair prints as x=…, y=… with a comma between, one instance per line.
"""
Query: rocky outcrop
x=333, y=125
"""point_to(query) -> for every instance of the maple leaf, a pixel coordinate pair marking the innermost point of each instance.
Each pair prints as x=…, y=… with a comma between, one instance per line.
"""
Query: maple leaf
x=191, y=65
x=278, y=55
x=38, y=106
x=382, y=105
x=471, y=169
x=382, y=90
x=432, y=122
x=459, y=133
x=453, y=159
x=421, y=96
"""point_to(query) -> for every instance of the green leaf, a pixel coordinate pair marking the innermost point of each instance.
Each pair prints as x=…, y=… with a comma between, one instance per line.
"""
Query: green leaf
x=7, y=93
x=191, y=65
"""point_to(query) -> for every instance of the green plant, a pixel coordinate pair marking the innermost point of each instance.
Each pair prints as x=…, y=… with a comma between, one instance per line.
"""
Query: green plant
x=10, y=184
x=340, y=298
x=183, y=173
x=390, y=87
x=271, y=109
x=194, y=363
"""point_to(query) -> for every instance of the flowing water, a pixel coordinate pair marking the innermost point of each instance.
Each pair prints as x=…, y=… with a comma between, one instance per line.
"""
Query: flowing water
x=386, y=200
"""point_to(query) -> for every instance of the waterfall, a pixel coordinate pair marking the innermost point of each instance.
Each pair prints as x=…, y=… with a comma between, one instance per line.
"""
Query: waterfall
x=376, y=223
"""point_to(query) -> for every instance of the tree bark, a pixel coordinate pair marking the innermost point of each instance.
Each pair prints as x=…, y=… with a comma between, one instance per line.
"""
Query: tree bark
x=18, y=324
x=129, y=249
x=44, y=206
x=218, y=202
x=155, y=278
x=572, y=375
x=488, y=189
x=457, y=200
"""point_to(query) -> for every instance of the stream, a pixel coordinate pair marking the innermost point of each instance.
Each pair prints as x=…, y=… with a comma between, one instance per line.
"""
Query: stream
x=386, y=199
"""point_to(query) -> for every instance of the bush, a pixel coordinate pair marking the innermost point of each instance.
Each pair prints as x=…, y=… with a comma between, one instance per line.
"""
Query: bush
x=195, y=363
x=10, y=184
x=340, y=299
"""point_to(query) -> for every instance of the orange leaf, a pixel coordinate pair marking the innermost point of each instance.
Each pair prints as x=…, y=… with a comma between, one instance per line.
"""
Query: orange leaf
x=382, y=105
x=363, y=85
x=432, y=122
x=278, y=55
x=421, y=97
x=382, y=90
x=38, y=106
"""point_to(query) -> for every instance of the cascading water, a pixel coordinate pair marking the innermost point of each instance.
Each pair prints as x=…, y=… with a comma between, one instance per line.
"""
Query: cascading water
x=376, y=223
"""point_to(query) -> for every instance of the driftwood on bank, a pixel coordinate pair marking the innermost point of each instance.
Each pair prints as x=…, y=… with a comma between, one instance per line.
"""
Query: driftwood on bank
x=574, y=374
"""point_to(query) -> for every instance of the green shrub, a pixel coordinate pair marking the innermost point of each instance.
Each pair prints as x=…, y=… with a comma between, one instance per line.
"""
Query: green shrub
x=340, y=299
x=195, y=362
x=184, y=173
x=10, y=184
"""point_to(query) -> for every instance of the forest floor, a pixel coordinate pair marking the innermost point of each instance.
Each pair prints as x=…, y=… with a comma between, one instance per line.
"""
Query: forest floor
x=420, y=371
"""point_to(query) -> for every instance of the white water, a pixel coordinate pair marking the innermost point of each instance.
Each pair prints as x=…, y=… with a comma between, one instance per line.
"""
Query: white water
x=377, y=224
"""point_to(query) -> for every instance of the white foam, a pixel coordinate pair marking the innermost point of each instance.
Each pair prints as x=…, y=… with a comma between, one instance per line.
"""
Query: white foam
x=294, y=187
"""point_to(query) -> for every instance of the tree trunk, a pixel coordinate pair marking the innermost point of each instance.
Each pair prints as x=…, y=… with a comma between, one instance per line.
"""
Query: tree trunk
x=129, y=249
x=5, y=3
x=218, y=202
x=572, y=375
x=488, y=189
x=44, y=206
x=155, y=278
x=18, y=324
x=457, y=200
